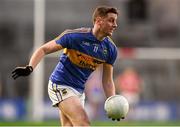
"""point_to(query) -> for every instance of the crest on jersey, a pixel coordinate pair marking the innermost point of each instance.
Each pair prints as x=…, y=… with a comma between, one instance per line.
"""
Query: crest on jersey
x=105, y=51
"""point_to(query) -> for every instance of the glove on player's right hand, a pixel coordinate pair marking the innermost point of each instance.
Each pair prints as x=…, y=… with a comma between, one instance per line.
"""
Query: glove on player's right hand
x=22, y=71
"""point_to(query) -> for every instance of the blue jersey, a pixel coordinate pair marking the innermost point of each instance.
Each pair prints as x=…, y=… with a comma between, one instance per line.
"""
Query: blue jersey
x=83, y=53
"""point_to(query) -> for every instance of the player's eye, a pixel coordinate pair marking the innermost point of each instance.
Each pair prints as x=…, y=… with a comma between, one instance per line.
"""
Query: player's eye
x=111, y=20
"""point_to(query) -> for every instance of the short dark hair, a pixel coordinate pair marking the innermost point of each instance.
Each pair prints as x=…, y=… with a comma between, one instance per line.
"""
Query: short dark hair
x=102, y=11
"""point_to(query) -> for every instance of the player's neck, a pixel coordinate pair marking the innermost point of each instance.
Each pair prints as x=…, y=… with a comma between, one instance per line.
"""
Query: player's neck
x=98, y=34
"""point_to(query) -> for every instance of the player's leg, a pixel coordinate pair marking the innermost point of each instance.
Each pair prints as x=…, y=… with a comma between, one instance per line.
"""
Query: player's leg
x=74, y=110
x=65, y=121
x=70, y=102
x=54, y=96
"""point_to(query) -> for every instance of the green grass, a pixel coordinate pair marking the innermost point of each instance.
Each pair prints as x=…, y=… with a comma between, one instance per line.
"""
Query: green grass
x=97, y=123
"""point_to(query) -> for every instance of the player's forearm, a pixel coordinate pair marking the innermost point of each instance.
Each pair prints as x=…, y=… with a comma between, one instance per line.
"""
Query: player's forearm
x=36, y=57
x=109, y=89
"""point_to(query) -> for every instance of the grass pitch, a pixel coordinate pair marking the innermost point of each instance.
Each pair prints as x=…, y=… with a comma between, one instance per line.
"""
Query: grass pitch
x=95, y=123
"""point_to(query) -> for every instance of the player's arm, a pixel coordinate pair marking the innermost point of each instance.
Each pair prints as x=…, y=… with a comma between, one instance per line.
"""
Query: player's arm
x=47, y=48
x=107, y=80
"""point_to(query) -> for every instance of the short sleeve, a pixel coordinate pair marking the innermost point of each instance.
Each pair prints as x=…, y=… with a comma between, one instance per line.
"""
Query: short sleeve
x=64, y=40
x=112, y=55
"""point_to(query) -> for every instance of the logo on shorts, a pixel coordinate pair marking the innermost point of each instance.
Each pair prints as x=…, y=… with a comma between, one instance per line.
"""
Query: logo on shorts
x=64, y=91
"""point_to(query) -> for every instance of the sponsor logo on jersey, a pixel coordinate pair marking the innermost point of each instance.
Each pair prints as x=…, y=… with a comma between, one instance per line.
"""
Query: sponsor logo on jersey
x=83, y=60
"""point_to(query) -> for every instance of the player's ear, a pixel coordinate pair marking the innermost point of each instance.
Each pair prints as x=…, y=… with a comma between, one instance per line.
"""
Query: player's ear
x=99, y=20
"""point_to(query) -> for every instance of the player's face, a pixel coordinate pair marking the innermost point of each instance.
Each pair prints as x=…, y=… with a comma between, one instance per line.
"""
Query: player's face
x=109, y=24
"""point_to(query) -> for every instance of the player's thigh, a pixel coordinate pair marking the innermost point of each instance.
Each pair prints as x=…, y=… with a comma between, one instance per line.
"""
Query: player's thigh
x=74, y=110
x=65, y=121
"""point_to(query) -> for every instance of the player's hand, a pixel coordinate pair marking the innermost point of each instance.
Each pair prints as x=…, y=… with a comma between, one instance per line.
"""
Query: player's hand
x=22, y=71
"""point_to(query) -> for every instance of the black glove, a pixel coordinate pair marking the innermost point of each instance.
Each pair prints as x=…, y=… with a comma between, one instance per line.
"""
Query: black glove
x=22, y=71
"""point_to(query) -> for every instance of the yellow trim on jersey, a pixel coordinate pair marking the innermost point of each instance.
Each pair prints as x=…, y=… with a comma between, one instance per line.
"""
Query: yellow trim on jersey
x=110, y=39
x=65, y=50
x=79, y=30
x=82, y=60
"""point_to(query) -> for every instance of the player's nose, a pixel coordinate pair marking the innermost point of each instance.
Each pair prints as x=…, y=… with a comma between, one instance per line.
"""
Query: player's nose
x=115, y=25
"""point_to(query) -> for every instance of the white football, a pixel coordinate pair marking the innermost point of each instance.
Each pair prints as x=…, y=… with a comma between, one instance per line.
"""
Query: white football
x=116, y=107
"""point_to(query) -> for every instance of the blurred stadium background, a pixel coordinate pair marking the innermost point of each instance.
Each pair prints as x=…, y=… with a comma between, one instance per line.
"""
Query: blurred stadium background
x=147, y=70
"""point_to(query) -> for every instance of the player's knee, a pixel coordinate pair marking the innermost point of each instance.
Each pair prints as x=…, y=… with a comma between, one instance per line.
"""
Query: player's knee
x=65, y=122
x=81, y=121
x=86, y=122
x=69, y=124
